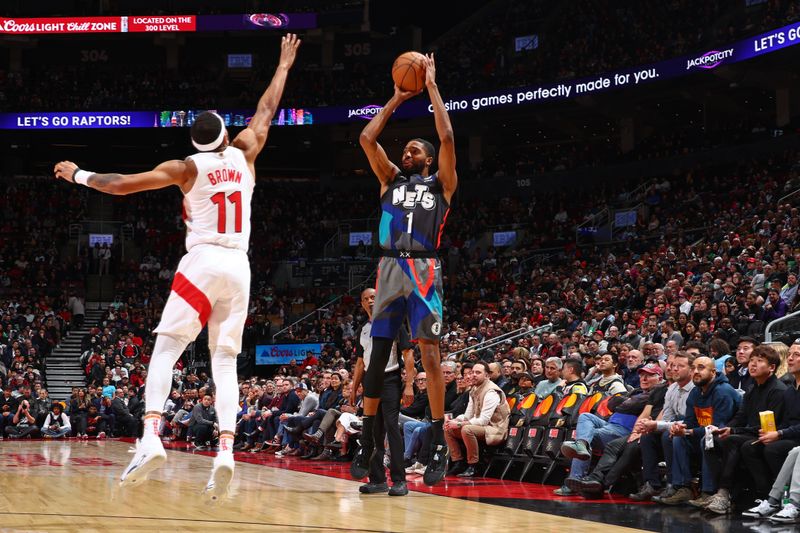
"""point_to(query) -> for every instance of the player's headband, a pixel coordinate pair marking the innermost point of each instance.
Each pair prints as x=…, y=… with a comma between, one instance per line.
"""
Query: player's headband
x=213, y=145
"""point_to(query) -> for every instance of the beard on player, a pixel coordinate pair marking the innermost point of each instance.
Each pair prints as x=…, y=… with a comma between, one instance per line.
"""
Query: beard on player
x=413, y=167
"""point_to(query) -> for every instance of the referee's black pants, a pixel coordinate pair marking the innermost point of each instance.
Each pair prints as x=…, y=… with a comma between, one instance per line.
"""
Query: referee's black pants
x=387, y=423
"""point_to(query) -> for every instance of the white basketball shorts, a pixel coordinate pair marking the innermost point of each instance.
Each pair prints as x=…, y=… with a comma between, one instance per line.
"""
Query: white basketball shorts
x=211, y=286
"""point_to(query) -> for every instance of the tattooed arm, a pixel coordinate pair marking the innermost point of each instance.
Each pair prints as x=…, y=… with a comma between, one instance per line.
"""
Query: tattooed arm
x=168, y=173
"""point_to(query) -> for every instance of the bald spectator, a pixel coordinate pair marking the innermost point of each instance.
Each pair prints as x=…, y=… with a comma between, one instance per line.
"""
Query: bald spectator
x=712, y=402
x=124, y=419
x=671, y=348
x=496, y=374
x=553, y=348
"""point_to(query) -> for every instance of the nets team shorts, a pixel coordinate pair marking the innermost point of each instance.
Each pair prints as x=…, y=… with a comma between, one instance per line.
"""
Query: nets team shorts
x=408, y=288
x=211, y=286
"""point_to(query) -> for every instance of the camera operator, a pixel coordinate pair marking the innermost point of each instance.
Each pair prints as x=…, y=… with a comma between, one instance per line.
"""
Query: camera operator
x=23, y=423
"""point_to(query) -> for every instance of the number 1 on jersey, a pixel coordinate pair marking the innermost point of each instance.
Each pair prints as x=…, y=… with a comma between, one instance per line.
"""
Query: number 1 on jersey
x=410, y=218
x=222, y=221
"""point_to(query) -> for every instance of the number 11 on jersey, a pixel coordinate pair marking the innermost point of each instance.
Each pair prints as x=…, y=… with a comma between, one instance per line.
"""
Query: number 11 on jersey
x=222, y=221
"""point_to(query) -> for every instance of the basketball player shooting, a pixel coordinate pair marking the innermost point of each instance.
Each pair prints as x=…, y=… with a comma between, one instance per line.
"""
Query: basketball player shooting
x=212, y=282
x=415, y=204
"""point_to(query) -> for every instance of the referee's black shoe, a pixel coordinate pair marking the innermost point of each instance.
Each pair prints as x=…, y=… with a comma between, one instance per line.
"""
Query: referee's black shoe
x=373, y=488
x=437, y=466
x=399, y=489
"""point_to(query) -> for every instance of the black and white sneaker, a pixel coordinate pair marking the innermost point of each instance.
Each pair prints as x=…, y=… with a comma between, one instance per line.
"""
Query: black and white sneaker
x=788, y=515
x=437, y=466
x=764, y=509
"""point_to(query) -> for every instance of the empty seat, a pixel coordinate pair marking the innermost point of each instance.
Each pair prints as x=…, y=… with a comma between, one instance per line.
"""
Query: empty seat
x=544, y=410
x=534, y=435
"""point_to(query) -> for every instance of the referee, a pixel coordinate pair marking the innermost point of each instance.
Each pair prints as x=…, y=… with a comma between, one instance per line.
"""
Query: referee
x=387, y=421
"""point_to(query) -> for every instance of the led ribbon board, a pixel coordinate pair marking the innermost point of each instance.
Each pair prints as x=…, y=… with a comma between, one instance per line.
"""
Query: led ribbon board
x=704, y=61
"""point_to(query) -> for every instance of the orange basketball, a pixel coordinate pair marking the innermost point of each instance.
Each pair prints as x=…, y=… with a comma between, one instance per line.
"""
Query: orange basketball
x=408, y=71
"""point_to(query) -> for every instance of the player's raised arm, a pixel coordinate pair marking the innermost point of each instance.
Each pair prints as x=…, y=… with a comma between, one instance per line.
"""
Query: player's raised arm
x=447, y=148
x=168, y=173
x=252, y=139
x=384, y=169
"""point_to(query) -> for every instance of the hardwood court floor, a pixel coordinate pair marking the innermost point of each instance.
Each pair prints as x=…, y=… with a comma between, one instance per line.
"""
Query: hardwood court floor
x=72, y=486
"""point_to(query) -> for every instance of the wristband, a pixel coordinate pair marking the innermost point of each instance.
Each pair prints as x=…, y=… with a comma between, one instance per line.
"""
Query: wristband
x=82, y=177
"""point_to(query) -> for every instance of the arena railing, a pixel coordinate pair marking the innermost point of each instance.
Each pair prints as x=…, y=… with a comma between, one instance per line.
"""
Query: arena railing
x=790, y=195
x=340, y=239
x=323, y=307
x=501, y=339
x=789, y=331
x=593, y=224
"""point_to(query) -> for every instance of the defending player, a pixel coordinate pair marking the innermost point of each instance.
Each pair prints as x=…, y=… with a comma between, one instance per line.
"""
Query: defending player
x=212, y=282
x=415, y=204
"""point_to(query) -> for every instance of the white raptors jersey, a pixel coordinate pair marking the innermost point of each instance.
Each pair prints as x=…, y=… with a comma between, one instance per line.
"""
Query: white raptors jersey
x=217, y=209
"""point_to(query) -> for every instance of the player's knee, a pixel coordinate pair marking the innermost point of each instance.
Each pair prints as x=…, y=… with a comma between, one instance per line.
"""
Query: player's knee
x=430, y=360
x=223, y=366
x=381, y=350
x=223, y=362
x=173, y=339
x=222, y=351
x=371, y=389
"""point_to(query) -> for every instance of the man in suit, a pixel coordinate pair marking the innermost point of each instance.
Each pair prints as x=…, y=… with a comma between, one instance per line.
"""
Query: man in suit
x=125, y=420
